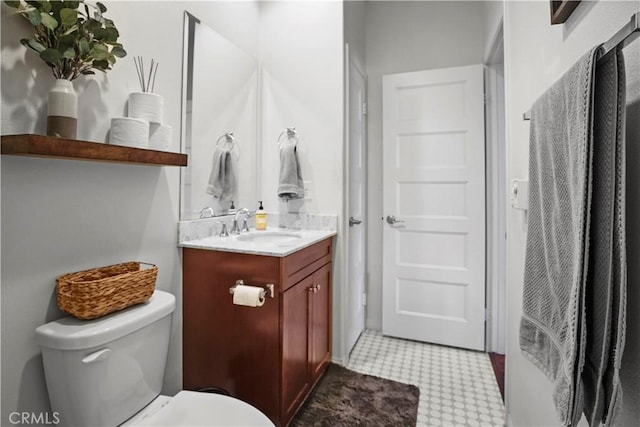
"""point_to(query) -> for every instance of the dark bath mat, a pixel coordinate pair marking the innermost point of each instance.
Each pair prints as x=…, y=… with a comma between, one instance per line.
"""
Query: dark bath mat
x=347, y=398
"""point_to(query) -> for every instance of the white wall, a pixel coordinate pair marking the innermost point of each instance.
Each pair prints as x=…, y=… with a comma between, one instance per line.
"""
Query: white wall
x=400, y=37
x=301, y=49
x=536, y=55
x=59, y=215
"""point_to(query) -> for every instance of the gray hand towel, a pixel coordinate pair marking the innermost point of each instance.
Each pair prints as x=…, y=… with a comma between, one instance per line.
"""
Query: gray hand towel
x=291, y=185
x=551, y=328
x=222, y=180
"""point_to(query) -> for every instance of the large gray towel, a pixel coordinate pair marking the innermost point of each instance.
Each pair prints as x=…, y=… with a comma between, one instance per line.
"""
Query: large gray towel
x=572, y=326
x=291, y=185
x=222, y=180
x=606, y=283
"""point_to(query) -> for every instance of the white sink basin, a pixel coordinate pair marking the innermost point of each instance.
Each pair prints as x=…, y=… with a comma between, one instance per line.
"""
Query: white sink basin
x=269, y=237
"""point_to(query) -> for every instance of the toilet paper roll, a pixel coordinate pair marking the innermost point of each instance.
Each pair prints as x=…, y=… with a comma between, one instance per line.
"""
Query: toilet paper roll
x=129, y=132
x=159, y=136
x=248, y=295
x=147, y=106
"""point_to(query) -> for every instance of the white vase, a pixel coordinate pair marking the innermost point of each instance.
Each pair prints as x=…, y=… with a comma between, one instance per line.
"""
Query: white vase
x=62, y=110
x=147, y=106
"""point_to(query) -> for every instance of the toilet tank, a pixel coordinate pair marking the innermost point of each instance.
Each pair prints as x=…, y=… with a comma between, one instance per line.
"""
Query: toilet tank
x=101, y=372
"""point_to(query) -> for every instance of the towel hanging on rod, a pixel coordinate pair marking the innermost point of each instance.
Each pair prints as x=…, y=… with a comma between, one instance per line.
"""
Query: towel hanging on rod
x=291, y=133
x=622, y=38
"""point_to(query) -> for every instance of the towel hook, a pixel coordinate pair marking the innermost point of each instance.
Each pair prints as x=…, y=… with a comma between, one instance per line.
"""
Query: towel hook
x=231, y=140
x=291, y=133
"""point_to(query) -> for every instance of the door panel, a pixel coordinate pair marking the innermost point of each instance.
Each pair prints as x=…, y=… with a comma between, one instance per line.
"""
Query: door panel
x=434, y=184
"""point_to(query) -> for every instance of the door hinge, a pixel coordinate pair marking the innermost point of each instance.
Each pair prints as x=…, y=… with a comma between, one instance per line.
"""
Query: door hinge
x=486, y=314
x=364, y=300
x=364, y=109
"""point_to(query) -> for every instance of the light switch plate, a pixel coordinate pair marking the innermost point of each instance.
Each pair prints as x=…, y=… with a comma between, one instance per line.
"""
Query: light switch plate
x=520, y=194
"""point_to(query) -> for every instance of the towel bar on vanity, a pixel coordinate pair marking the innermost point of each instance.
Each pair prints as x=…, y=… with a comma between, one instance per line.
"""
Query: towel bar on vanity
x=267, y=291
x=623, y=37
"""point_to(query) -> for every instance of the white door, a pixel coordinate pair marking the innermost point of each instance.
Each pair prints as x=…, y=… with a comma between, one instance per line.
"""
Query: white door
x=434, y=206
x=356, y=191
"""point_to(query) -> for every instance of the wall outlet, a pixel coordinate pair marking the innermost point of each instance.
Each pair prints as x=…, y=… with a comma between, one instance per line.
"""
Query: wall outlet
x=307, y=190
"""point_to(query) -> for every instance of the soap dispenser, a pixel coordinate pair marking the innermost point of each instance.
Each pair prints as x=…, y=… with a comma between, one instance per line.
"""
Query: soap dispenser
x=261, y=218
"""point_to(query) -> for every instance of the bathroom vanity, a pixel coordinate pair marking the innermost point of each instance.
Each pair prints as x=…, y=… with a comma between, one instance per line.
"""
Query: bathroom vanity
x=272, y=355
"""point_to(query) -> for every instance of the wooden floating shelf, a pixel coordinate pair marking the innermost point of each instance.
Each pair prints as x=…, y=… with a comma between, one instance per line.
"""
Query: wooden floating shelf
x=62, y=148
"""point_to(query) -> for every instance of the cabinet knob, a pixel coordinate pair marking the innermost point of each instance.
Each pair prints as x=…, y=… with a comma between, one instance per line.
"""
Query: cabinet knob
x=317, y=287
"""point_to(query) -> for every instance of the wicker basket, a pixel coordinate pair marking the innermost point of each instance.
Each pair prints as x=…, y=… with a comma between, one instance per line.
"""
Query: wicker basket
x=93, y=293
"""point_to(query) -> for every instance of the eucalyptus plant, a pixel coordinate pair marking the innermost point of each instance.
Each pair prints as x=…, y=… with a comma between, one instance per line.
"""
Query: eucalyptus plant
x=70, y=39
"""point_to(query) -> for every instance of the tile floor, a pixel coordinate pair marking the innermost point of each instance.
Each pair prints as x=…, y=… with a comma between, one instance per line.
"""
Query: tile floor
x=457, y=387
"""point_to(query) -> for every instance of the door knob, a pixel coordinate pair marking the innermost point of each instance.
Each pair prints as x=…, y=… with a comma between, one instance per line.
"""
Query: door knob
x=353, y=221
x=392, y=220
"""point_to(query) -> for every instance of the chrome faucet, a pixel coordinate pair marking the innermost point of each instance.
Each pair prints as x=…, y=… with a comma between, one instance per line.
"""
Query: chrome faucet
x=223, y=231
x=245, y=226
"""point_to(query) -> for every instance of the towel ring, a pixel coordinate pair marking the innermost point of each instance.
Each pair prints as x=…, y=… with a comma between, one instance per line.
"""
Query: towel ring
x=230, y=139
x=291, y=133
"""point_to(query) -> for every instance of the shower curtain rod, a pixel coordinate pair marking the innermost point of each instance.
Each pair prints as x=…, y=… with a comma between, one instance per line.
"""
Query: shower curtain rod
x=622, y=38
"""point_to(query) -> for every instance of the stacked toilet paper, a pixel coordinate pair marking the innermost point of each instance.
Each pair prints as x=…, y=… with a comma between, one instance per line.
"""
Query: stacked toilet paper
x=143, y=128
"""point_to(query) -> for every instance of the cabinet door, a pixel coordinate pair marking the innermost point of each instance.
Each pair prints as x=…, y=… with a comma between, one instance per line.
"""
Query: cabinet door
x=295, y=346
x=320, y=322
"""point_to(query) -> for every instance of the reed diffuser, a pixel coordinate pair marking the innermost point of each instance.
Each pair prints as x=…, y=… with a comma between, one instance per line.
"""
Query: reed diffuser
x=146, y=104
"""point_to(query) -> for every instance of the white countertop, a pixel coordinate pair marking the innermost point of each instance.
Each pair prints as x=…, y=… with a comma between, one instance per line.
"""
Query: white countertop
x=233, y=244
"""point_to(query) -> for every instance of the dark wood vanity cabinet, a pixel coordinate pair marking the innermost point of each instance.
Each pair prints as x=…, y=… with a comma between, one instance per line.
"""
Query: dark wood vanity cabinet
x=269, y=356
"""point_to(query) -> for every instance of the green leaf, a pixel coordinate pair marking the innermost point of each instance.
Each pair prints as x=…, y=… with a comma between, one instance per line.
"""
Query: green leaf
x=50, y=56
x=34, y=17
x=67, y=40
x=49, y=21
x=69, y=53
x=45, y=6
x=119, y=52
x=100, y=33
x=13, y=4
x=33, y=44
x=83, y=44
x=69, y=17
x=101, y=64
x=99, y=52
x=102, y=7
x=112, y=34
x=71, y=4
x=93, y=25
x=87, y=72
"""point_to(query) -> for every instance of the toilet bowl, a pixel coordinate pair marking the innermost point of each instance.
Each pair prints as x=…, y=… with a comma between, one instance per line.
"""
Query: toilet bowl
x=109, y=372
x=190, y=408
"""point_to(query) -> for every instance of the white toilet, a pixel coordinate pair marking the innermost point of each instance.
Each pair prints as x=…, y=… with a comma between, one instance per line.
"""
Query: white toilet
x=109, y=372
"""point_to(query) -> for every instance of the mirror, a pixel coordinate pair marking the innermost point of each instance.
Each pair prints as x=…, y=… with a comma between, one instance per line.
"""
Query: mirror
x=220, y=96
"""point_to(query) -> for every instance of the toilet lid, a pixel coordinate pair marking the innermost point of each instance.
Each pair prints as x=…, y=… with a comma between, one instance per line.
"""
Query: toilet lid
x=190, y=408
